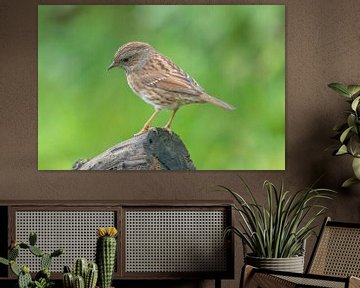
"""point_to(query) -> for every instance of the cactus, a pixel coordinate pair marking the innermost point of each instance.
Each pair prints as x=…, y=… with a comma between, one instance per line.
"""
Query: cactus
x=68, y=280
x=57, y=252
x=89, y=272
x=80, y=267
x=36, y=251
x=91, y=276
x=105, y=254
x=24, y=277
x=67, y=269
x=79, y=282
x=42, y=278
x=24, y=245
x=44, y=273
x=14, y=268
x=45, y=261
x=25, y=269
x=13, y=253
x=4, y=261
x=32, y=239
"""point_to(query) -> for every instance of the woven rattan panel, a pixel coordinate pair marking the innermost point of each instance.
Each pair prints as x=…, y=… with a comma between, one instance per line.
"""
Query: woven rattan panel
x=268, y=280
x=75, y=231
x=175, y=241
x=338, y=253
x=311, y=282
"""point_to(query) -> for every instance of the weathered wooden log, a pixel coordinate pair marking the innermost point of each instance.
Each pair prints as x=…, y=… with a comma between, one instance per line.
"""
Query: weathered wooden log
x=156, y=149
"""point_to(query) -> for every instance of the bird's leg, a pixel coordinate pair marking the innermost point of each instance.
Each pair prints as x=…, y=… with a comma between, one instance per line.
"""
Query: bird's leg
x=147, y=124
x=168, y=124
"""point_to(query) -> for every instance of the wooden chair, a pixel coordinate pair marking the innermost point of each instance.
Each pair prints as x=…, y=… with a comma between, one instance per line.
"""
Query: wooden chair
x=335, y=262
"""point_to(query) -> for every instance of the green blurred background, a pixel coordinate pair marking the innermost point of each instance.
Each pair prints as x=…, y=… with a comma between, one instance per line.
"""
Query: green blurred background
x=236, y=53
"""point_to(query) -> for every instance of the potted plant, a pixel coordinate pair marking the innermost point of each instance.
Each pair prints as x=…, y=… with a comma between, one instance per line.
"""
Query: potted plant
x=348, y=132
x=42, y=278
x=106, y=254
x=276, y=233
x=83, y=275
x=87, y=274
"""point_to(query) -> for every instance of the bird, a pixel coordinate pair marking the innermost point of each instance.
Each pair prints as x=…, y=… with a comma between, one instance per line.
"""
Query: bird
x=159, y=81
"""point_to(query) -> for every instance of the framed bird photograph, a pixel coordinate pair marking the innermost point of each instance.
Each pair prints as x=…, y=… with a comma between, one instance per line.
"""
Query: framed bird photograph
x=161, y=87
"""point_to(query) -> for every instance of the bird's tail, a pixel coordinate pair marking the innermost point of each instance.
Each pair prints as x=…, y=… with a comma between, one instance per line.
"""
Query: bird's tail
x=217, y=102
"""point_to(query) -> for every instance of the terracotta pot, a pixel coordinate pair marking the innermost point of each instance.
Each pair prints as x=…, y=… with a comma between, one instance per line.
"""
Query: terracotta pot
x=291, y=264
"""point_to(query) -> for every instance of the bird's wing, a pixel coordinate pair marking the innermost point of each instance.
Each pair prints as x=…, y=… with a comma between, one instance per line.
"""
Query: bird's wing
x=174, y=81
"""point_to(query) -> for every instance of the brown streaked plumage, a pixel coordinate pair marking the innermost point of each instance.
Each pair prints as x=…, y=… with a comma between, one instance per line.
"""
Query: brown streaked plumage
x=159, y=81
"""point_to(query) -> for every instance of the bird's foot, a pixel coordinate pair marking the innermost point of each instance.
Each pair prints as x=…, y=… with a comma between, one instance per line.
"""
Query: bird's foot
x=142, y=131
x=168, y=129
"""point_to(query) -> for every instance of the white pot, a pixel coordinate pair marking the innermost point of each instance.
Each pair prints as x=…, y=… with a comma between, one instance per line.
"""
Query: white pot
x=291, y=264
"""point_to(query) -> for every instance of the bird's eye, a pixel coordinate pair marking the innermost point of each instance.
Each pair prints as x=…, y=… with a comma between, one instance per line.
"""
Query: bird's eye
x=125, y=59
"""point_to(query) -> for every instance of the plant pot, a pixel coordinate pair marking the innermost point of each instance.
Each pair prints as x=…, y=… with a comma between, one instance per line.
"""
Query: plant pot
x=291, y=264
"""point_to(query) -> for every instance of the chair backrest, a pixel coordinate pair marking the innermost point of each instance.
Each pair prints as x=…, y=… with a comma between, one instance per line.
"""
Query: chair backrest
x=337, y=251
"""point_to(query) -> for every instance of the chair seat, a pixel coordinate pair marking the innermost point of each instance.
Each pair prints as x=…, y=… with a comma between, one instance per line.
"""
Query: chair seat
x=263, y=278
x=315, y=282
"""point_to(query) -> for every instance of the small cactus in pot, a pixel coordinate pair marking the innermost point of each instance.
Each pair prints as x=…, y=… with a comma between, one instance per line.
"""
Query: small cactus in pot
x=106, y=254
x=85, y=275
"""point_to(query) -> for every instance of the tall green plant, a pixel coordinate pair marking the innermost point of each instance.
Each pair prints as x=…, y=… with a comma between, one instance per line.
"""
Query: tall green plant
x=279, y=229
x=106, y=254
x=348, y=132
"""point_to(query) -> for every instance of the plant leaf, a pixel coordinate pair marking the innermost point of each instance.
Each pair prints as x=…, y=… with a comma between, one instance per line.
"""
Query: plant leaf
x=355, y=103
x=340, y=88
x=342, y=150
x=354, y=145
x=356, y=167
x=14, y=268
x=353, y=89
x=4, y=261
x=345, y=134
x=351, y=119
x=349, y=182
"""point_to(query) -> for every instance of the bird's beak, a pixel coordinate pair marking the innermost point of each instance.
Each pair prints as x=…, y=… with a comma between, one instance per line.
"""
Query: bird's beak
x=112, y=65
